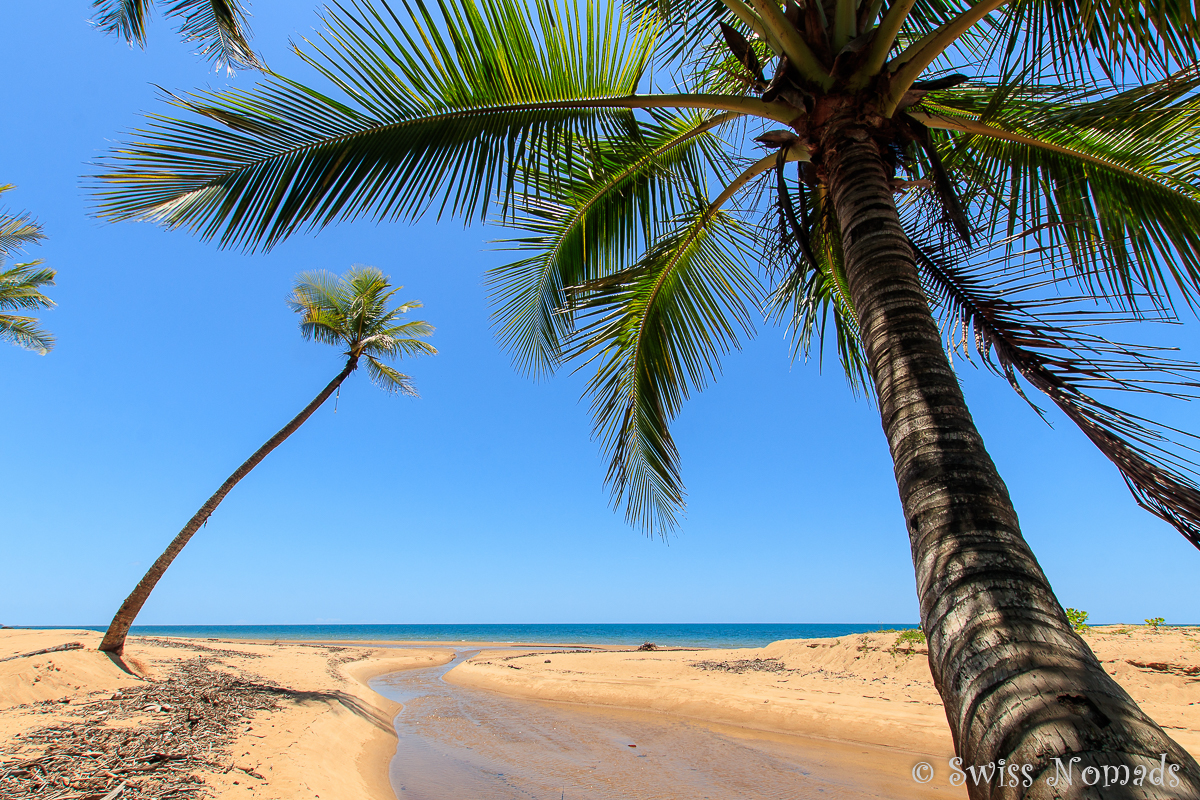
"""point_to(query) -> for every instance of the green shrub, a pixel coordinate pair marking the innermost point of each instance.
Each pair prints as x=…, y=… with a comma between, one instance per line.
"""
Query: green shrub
x=1154, y=622
x=1078, y=619
x=907, y=642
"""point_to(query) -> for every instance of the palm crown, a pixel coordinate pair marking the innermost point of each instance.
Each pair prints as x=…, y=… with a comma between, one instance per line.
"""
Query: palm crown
x=353, y=311
x=20, y=285
x=632, y=256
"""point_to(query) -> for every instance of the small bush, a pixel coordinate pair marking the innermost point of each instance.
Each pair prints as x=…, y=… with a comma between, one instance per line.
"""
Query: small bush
x=1154, y=622
x=1078, y=619
x=908, y=640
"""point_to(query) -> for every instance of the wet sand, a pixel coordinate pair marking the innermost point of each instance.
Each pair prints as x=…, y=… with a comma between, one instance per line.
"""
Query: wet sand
x=457, y=742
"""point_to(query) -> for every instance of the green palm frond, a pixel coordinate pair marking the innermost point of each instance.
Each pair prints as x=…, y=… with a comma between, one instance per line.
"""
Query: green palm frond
x=388, y=379
x=125, y=18
x=656, y=332
x=221, y=28
x=436, y=111
x=24, y=332
x=218, y=26
x=18, y=230
x=1119, y=189
x=1077, y=38
x=20, y=290
x=355, y=311
x=20, y=286
x=608, y=207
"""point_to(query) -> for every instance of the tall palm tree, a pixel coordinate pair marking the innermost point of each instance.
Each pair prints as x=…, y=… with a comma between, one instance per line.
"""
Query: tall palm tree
x=20, y=284
x=219, y=26
x=1063, y=166
x=353, y=312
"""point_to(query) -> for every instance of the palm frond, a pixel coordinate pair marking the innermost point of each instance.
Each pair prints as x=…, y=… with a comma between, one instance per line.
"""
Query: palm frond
x=20, y=287
x=18, y=230
x=607, y=209
x=656, y=332
x=125, y=18
x=810, y=291
x=1078, y=38
x=1119, y=190
x=1048, y=341
x=24, y=332
x=221, y=29
x=388, y=379
x=218, y=26
x=436, y=111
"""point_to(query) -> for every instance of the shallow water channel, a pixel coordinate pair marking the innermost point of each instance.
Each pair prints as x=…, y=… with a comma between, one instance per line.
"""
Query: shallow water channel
x=468, y=744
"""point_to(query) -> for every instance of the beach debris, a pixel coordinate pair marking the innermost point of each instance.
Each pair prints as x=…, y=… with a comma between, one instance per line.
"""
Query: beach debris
x=648, y=646
x=57, y=649
x=198, y=712
x=1158, y=666
x=216, y=651
x=743, y=665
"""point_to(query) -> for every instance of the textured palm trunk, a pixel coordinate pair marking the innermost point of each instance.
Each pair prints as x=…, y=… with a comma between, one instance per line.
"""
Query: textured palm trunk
x=118, y=629
x=1020, y=687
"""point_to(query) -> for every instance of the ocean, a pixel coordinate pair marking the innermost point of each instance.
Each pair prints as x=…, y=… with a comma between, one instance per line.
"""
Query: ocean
x=719, y=635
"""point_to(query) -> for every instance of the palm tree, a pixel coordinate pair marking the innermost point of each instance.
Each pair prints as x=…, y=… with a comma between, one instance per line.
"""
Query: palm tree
x=20, y=285
x=218, y=25
x=353, y=312
x=1003, y=205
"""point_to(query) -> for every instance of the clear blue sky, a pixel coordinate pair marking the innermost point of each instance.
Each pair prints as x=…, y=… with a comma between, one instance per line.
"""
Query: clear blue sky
x=482, y=501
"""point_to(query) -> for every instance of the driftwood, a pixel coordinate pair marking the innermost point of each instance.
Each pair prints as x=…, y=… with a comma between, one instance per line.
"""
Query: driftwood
x=58, y=649
x=186, y=725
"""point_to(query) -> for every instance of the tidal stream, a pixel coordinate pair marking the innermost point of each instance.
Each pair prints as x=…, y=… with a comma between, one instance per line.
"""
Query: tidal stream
x=467, y=744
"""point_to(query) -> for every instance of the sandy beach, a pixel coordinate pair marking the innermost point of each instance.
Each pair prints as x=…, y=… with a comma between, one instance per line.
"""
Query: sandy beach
x=286, y=720
x=866, y=688
x=327, y=734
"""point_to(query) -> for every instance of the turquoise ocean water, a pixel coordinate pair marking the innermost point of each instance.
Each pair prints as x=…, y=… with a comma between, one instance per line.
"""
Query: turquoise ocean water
x=663, y=634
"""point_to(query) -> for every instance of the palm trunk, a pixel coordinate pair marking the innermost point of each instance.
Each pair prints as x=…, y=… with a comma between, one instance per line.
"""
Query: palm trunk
x=1017, y=682
x=118, y=629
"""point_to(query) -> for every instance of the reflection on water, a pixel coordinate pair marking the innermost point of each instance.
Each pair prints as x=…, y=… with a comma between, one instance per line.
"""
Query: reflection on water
x=466, y=744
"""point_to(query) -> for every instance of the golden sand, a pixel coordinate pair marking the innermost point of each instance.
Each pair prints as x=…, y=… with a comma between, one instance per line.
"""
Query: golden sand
x=337, y=741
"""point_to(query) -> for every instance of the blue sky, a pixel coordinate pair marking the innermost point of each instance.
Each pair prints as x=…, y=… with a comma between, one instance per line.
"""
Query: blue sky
x=481, y=502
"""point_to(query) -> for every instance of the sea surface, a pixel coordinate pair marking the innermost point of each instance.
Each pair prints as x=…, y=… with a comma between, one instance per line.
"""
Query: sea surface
x=720, y=635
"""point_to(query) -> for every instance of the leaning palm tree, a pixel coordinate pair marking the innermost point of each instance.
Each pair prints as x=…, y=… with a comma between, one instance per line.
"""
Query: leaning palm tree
x=939, y=175
x=353, y=312
x=219, y=26
x=20, y=284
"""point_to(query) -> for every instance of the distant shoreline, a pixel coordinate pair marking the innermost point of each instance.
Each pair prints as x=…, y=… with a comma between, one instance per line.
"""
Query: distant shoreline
x=704, y=635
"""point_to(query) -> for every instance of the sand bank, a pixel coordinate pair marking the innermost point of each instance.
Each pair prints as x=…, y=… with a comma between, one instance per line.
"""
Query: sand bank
x=328, y=735
x=860, y=689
